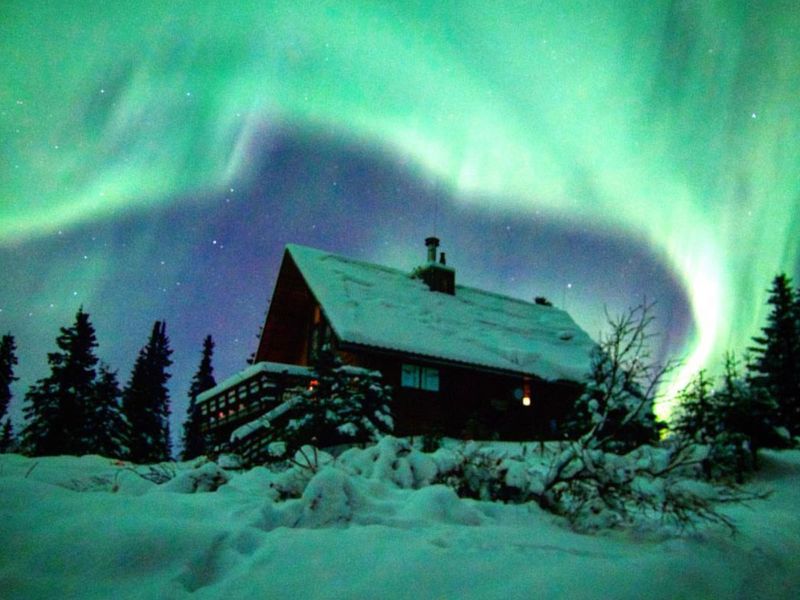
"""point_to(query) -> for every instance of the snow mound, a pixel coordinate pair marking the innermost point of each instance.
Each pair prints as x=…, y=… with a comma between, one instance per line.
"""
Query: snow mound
x=391, y=460
x=440, y=504
x=205, y=478
x=330, y=498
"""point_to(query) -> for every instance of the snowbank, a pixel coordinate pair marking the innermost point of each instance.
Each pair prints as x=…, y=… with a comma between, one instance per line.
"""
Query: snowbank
x=372, y=522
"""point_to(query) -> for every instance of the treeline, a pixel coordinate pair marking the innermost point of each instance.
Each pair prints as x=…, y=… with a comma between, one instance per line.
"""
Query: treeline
x=80, y=407
x=756, y=402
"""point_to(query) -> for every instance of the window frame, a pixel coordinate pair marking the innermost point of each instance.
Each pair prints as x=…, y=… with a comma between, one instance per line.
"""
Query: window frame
x=419, y=377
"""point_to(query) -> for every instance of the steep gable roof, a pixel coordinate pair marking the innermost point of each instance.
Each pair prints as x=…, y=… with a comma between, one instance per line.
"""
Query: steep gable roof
x=386, y=308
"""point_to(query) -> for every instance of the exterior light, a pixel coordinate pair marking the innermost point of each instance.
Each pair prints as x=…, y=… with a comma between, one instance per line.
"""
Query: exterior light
x=526, y=401
x=312, y=384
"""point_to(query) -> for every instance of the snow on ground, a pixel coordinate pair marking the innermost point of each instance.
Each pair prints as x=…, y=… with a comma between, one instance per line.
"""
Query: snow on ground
x=367, y=525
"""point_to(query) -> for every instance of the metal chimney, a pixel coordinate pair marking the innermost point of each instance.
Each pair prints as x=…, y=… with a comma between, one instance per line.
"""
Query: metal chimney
x=432, y=243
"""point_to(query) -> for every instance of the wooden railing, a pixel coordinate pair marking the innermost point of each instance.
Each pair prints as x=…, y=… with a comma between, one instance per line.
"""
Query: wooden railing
x=256, y=391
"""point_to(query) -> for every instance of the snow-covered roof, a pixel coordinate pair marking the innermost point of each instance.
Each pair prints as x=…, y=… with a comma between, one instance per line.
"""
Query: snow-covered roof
x=252, y=371
x=386, y=308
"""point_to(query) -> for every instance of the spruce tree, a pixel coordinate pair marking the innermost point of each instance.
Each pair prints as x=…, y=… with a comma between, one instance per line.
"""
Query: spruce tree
x=55, y=408
x=733, y=420
x=105, y=426
x=145, y=401
x=749, y=417
x=8, y=359
x=775, y=365
x=699, y=417
x=347, y=405
x=8, y=442
x=194, y=444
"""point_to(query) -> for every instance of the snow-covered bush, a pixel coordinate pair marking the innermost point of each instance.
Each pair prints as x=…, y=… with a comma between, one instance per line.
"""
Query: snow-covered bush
x=329, y=498
x=290, y=482
x=591, y=488
x=158, y=473
x=206, y=477
x=392, y=460
x=484, y=473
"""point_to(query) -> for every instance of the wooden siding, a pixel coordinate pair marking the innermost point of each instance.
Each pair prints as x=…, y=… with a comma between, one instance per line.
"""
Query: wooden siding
x=288, y=326
x=471, y=404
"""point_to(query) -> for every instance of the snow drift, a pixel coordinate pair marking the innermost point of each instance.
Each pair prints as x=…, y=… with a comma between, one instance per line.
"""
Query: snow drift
x=373, y=522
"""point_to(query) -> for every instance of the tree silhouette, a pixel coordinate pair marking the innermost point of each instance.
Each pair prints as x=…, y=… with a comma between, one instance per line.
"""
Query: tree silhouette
x=8, y=359
x=775, y=363
x=194, y=443
x=55, y=410
x=145, y=401
x=105, y=426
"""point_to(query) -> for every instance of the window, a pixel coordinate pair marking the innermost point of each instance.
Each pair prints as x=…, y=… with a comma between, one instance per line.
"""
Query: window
x=409, y=376
x=424, y=378
x=320, y=337
x=430, y=379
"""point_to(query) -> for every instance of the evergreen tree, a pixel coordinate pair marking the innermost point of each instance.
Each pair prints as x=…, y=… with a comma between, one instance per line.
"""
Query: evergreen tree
x=734, y=421
x=145, y=401
x=194, y=443
x=8, y=442
x=348, y=405
x=55, y=408
x=8, y=359
x=699, y=417
x=775, y=365
x=105, y=426
x=750, y=417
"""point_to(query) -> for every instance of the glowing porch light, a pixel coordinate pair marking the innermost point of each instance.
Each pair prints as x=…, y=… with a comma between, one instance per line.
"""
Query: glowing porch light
x=526, y=392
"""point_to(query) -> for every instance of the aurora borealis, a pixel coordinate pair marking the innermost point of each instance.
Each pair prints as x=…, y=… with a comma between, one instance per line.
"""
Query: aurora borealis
x=155, y=158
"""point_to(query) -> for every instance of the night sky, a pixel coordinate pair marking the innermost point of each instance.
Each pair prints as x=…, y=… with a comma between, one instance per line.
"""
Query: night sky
x=156, y=157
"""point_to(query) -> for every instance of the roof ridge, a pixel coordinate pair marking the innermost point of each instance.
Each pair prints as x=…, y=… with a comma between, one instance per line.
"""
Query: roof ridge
x=349, y=259
x=373, y=265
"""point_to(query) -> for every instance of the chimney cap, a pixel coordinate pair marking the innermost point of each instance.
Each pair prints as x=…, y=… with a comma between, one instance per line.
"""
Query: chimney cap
x=432, y=241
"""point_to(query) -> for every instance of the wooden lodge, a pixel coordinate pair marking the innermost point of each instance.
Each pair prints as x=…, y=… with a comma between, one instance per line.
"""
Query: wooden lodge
x=462, y=362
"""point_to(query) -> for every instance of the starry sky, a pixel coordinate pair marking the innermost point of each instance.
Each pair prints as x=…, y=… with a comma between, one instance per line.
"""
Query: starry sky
x=156, y=157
